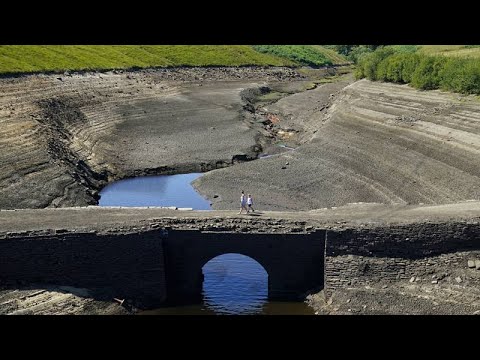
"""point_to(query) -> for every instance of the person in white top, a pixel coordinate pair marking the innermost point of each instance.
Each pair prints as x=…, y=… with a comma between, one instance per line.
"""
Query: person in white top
x=243, y=203
x=250, y=203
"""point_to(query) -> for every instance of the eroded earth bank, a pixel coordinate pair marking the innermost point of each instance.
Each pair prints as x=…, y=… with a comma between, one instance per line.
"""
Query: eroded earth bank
x=62, y=138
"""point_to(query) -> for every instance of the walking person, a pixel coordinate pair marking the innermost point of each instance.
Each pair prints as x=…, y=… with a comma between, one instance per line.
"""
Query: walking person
x=250, y=203
x=243, y=203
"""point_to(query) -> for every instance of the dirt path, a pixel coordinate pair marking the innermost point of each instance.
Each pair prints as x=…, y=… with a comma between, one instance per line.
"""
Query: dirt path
x=119, y=219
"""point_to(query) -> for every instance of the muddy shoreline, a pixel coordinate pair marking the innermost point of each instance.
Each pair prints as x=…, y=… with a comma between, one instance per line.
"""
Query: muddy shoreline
x=65, y=137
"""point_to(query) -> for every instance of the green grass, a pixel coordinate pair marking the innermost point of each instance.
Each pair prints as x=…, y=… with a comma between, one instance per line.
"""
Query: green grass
x=451, y=50
x=405, y=48
x=312, y=55
x=36, y=58
x=270, y=97
x=59, y=58
x=335, y=57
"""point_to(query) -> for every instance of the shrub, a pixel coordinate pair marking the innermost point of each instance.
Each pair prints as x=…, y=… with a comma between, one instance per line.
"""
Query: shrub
x=357, y=52
x=399, y=64
x=369, y=62
x=461, y=75
x=398, y=67
x=410, y=63
x=303, y=54
x=427, y=74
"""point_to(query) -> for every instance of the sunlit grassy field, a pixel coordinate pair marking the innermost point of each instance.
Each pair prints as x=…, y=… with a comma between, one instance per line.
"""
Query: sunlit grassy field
x=57, y=58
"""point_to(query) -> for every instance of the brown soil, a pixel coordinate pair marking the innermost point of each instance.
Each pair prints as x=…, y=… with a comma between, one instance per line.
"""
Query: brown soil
x=41, y=299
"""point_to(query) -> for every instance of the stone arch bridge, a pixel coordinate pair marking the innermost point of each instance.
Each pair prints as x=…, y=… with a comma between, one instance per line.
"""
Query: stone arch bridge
x=155, y=256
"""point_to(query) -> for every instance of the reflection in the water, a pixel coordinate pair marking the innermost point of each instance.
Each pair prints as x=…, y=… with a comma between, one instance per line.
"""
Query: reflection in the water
x=235, y=284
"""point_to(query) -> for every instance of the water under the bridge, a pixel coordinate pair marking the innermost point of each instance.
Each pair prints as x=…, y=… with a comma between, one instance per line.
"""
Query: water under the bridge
x=235, y=284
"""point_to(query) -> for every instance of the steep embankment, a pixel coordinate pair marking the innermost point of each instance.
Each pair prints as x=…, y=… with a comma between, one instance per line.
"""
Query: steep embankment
x=375, y=142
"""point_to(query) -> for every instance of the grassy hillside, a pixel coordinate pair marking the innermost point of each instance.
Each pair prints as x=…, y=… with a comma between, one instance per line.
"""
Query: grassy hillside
x=451, y=50
x=335, y=58
x=34, y=58
x=44, y=58
x=312, y=55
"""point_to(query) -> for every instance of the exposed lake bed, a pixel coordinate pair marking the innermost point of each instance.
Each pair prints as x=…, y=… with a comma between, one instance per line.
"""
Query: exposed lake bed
x=65, y=141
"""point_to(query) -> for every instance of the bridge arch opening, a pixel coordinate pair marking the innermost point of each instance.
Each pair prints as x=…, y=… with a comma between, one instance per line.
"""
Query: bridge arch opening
x=234, y=284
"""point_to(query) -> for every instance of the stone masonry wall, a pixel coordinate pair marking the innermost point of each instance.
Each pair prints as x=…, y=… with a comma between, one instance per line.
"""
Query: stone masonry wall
x=125, y=265
x=137, y=265
x=363, y=256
